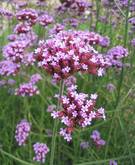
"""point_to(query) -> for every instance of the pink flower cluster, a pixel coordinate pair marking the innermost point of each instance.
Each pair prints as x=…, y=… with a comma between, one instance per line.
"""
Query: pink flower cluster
x=45, y=20
x=40, y=150
x=22, y=28
x=78, y=110
x=22, y=132
x=69, y=52
x=27, y=15
x=8, y=68
x=35, y=78
x=29, y=89
x=56, y=29
x=29, y=59
x=14, y=51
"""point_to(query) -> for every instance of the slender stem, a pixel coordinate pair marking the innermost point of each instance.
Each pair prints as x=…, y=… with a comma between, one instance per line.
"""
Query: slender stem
x=56, y=122
x=97, y=13
x=14, y=157
x=125, y=44
x=118, y=6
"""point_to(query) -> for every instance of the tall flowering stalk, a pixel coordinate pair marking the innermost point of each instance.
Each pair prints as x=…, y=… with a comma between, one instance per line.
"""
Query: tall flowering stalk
x=125, y=44
x=56, y=122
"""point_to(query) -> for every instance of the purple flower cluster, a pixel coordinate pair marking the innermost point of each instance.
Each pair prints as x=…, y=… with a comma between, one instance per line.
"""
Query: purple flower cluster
x=45, y=20
x=22, y=28
x=56, y=29
x=77, y=7
x=27, y=15
x=8, y=68
x=27, y=89
x=35, y=78
x=29, y=59
x=71, y=21
x=115, y=54
x=6, y=13
x=97, y=139
x=14, y=51
x=22, y=132
x=69, y=52
x=41, y=151
x=78, y=111
x=30, y=88
x=104, y=42
x=113, y=162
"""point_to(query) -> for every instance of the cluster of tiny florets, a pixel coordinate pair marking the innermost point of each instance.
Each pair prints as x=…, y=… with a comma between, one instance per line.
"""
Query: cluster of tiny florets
x=69, y=52
x=96, y=137
x=41, y=151
x=22, y=28
x=77, y=7
x=56, y=29
x=29, y=59
x=30, y=88
x=27, y=89
x=115, y=54
x=8, y=68
x=14, y=51
x=27, y=15
x=22, y=132
x=78, y=110
x=35, y=78
x=6, y=13
x=45, y=20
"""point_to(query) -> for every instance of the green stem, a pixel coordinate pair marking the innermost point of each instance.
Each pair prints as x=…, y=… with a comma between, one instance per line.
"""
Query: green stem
x=15, y=158
x=125, y=44
x=56, y=122
x=97, y=13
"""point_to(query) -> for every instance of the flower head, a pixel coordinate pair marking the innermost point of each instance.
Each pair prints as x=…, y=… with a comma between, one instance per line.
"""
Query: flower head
x=22, y=132
x=97, y=138
x=28, y=15
x=77, y=111
x=41, y=151
x=8, y=68
x=27, y=89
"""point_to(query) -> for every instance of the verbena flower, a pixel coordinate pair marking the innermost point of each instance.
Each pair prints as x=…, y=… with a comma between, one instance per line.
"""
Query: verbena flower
x=14, y=51
x=75, y=7
x=69, y=52
x=27, y=89
x=70, y=81
x=78, y=110
x=113, y=162
x=28, y=15
x=45, y=20
x=29, y=59
x=115, y=54
x=6, y=13
x=12, y=37
x=97, y=138
x=104, y=41
x=35, y=78
x=8, y=68
x=56, y=29
x=22, y=28
x=41, y=151
x=22, y=132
